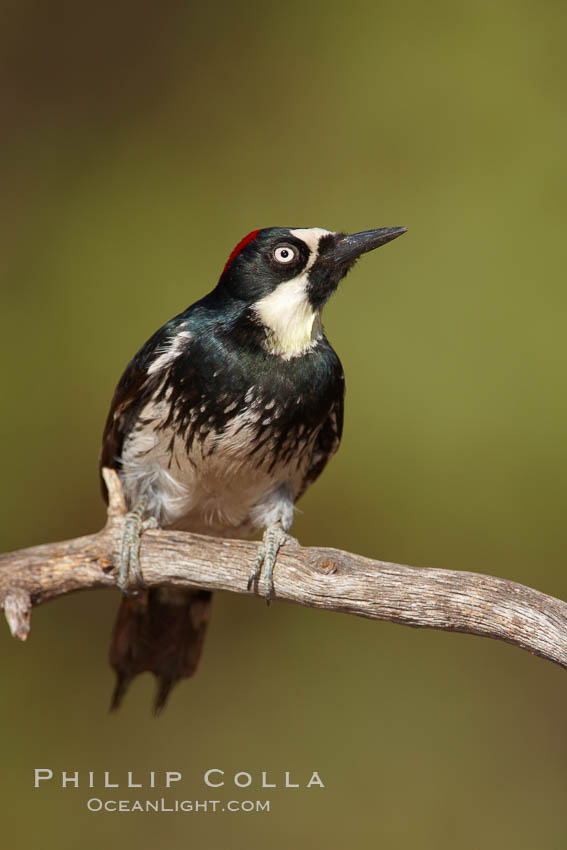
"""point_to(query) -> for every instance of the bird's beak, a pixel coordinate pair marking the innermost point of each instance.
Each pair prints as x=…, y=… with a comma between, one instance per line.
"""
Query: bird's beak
x=349, y=248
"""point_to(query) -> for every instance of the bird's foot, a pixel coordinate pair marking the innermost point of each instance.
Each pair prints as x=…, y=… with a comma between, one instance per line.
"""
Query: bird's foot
x=130, y=579
x=274, y=538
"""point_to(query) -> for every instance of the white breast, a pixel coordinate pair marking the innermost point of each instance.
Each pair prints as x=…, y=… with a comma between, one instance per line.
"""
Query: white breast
x=216, y=487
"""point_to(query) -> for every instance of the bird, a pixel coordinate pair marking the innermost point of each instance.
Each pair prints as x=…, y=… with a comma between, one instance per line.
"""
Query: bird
x=220, y=423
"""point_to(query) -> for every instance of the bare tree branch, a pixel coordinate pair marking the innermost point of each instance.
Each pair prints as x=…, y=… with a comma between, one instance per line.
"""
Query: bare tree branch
x=316, y=577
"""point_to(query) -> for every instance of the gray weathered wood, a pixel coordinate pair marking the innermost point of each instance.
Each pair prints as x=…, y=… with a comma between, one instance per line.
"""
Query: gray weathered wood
x=316, y=577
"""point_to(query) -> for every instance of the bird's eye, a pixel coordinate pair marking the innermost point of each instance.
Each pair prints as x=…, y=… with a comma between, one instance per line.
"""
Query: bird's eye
x=284, y=254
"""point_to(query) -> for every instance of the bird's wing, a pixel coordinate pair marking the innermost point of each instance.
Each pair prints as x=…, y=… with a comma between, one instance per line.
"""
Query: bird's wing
x=136, y=386
x=326, y=444
x=126, y=403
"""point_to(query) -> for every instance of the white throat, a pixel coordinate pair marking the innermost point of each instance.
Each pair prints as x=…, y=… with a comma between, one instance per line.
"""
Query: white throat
x=292, y=325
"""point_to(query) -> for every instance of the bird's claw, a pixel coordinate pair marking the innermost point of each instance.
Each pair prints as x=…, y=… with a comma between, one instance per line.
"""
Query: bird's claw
x=274, y=538
x=130, y=579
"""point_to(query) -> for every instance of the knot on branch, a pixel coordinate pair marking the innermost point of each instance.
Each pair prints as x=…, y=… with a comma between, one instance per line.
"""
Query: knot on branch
x=117, y=508
x=17, y=606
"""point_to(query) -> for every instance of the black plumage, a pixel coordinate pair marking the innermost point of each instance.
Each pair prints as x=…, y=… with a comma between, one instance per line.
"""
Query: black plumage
x=224, y=418
x=222, y=361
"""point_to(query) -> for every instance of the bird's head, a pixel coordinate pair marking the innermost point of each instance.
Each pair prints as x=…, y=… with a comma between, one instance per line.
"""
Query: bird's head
x=285, y=276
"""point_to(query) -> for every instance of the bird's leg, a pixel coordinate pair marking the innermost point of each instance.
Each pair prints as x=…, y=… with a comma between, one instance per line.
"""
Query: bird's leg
x=274, y=538
x=130, y=579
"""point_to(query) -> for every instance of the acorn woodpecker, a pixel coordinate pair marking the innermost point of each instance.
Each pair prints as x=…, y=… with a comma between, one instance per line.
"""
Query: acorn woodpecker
x=220, y=423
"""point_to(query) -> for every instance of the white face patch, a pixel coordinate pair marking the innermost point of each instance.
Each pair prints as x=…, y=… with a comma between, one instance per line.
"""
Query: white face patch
x=292, y=323
x=311, y=237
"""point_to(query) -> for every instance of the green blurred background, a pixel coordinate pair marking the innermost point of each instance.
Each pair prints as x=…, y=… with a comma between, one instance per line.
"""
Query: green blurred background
x=141, y=141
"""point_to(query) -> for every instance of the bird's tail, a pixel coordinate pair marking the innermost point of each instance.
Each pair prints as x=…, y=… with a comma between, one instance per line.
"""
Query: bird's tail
x=160, y=631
